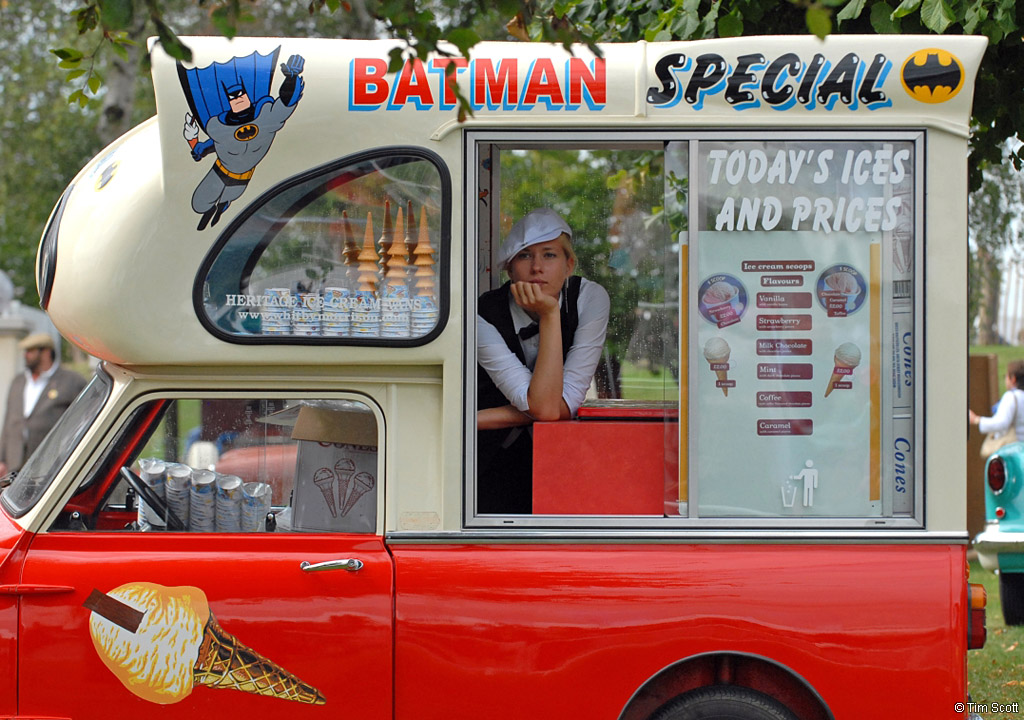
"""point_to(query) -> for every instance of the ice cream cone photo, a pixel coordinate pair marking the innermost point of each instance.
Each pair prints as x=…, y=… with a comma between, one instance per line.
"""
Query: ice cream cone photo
x=163, y=642
x=847, y=358
x=716, y=352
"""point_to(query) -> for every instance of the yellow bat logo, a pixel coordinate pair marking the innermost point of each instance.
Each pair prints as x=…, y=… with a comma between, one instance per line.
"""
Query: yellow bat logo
x=106, y=175
x=246, y=132
x=932, y=75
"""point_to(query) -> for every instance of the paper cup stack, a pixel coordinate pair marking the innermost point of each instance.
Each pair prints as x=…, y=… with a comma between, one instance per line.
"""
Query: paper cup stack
x=337, y=314
x=276, y=312
x=256, y=501
x=365, y=319
x=154, y=473
x=394, y=311
x=228, y=503
x=306, y=314
x=423, y=316
x=178, y=488
x=202, y=507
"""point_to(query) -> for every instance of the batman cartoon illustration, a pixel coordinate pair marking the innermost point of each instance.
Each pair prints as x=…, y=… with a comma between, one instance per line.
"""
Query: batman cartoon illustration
x=232, y=103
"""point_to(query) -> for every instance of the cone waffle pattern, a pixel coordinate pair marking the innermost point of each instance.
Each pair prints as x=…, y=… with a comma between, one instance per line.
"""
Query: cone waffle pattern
x=224, y=662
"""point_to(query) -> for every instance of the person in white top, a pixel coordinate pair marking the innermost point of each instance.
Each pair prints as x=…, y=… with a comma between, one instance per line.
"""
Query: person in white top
x=1010, y=410
x=539, y=340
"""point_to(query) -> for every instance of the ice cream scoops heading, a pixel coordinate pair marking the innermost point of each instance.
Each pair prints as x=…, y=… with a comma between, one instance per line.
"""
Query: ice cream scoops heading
x=161, y=642
x=716, y=352
x=847, y=358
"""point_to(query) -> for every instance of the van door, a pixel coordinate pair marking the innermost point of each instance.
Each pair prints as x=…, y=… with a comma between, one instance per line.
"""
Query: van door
x=223, y=623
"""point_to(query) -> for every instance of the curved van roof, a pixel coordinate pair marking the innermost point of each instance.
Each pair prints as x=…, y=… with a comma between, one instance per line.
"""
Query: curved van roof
x=122, y=273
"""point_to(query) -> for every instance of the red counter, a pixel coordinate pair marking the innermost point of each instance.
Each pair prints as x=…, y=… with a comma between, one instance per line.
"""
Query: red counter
x=606, y=463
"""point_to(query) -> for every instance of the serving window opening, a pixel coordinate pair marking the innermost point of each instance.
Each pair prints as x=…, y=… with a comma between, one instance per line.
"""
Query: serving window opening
x=614, y=449
x=759, y=363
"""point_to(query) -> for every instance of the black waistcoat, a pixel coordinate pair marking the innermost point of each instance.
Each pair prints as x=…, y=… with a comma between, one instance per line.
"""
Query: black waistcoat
x=505, y=457
x=494, y=307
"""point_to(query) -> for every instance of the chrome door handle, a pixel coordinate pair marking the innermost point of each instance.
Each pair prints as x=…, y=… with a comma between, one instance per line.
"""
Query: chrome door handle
x=350, y=564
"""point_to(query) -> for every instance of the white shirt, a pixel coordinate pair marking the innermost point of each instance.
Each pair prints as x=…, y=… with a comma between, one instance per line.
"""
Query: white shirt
x=513, y=378
x=1004, y=417
x=34, y=389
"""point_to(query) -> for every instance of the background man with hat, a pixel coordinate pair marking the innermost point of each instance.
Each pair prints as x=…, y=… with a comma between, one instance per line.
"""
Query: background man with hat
x=36, y=400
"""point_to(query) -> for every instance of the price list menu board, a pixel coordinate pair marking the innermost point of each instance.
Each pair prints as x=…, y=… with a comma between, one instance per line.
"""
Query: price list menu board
x=801, y=329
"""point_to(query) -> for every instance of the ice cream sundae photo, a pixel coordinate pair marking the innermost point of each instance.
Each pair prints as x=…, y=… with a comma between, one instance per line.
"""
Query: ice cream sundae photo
x=719, y=292
x=722, y=300
x=840, y=290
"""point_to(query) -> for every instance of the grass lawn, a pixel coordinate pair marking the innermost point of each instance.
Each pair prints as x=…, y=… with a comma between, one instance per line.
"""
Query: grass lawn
x=996, y=672
x=639, y=383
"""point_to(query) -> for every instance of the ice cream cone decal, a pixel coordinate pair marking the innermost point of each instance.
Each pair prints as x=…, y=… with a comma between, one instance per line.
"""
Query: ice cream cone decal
x=324, y=479
x=716, y=352
x=361, y=484
x=847, y=358
x=224, y=662
x=162, y=642
x=344, y=469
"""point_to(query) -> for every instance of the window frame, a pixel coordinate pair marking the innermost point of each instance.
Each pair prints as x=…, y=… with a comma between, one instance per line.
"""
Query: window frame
x=479, y=143
x=140, y=409
x=443, y=253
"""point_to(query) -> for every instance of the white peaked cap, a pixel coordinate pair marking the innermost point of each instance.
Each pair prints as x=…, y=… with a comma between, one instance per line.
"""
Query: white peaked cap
x=537, y=226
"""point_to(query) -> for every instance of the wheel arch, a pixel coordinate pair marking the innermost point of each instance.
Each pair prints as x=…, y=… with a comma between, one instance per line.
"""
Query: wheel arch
x=739, y=669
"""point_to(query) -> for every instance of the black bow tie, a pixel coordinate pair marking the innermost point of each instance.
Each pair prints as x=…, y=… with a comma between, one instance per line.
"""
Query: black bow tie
x=529, y=331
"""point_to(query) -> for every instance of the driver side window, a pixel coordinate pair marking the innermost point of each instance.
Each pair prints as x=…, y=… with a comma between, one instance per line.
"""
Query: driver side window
x=230, y=465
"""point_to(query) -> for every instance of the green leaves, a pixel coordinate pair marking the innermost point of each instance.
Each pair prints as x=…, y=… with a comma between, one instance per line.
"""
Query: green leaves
x=115, y=14
x=851, y=11
x=883, y=19
x=730, y=25
x=86, y=18
x=937, y=15
x=906, y=8
x=463, y=39
x=819, y=20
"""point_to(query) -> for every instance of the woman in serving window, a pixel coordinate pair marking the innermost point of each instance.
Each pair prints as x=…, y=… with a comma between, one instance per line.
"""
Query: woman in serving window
x=539, y=339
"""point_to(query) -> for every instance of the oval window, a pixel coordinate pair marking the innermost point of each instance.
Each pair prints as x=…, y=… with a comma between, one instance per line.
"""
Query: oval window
x=350, y=253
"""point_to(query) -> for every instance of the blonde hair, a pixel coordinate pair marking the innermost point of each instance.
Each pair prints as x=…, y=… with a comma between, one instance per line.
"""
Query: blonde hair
x=566, y=244
x=563, y=240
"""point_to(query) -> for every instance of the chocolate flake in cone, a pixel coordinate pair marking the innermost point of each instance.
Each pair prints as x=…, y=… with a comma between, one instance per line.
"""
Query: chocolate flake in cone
x=225, y=663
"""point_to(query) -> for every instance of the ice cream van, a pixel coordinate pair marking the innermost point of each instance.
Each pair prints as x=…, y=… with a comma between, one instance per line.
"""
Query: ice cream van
x=267, y=502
